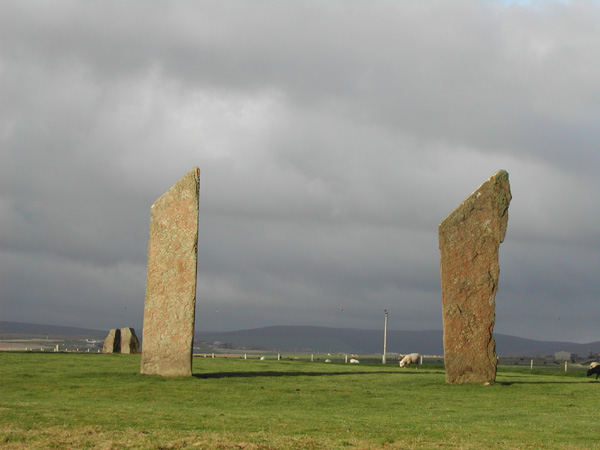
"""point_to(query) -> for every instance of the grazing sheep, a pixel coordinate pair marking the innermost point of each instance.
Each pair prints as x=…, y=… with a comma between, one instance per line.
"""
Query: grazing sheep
x=413, y=358
x=594, y=370
x=354, y=361
x=327, y=360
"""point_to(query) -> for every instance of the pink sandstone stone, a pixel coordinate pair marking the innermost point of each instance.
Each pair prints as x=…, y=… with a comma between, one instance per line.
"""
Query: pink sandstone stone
x=112, y=343
x=129, y=341
x=171, y=281
x=469, y=240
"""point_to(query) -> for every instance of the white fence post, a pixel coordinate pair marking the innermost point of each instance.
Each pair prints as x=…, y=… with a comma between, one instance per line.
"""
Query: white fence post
x=531, y=365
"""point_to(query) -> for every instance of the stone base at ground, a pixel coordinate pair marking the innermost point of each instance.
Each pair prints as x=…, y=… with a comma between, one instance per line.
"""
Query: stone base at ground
x=469, y=240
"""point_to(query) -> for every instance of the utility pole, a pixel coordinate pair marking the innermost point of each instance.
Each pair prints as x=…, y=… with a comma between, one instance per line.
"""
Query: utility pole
x=384, y=337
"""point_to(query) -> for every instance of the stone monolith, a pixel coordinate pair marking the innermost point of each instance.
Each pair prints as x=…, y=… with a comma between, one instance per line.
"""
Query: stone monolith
x=168, y=333
x=112, y=343
x=129, y=341
x=469, y=240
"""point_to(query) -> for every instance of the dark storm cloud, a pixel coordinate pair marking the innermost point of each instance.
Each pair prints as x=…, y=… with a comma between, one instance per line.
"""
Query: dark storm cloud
x=332, y=140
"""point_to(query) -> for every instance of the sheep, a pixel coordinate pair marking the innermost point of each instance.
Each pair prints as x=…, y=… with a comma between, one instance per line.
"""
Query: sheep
x=412, y=358
x=594, y=364
x=594, y=370
x=354, y=361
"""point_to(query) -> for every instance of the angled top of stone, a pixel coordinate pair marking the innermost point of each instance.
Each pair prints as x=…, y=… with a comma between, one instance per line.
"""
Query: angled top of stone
x=186, y=187
x=493, y=194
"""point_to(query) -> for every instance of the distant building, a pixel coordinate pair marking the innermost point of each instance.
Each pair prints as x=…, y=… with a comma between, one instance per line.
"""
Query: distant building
x=564, y=356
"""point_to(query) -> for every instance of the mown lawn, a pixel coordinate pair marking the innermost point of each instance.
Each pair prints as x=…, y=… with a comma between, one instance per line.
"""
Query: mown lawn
x=90, y=401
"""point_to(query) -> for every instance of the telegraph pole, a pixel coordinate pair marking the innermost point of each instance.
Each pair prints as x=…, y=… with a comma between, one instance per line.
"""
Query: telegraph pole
x=384, y=337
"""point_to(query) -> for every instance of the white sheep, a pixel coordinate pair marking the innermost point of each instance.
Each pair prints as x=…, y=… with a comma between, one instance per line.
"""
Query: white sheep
x=412, y=358
x=594, y=364
x=354, y=361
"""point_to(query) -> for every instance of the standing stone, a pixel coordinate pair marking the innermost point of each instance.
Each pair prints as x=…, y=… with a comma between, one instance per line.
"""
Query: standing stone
x=129, y=341
x=112, y=343
x=469, y=241
x=171, y=281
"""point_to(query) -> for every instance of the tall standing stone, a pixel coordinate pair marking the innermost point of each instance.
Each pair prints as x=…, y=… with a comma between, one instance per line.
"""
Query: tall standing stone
x=168, y=332
x=469, y=241
x=129, y=341
x=112, y=343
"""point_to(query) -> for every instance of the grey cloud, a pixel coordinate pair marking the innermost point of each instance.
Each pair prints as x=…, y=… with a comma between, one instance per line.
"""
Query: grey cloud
x=48, y=289
x=332, y=139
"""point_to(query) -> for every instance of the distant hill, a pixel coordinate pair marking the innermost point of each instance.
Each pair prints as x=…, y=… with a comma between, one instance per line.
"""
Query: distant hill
x=33, y=329
x=324, y=339
x=516, y=346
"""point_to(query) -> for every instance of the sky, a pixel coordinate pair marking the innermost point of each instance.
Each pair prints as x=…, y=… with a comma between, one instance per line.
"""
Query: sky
x=332, y=137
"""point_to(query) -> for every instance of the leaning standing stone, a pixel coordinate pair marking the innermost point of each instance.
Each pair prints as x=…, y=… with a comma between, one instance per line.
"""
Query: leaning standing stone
x=129, y=341
x=112, y=343
x=168, y=332
x=469, y=241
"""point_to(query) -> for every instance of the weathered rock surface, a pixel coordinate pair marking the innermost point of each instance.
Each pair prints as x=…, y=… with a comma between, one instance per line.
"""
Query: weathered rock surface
x=469, y=240
x=171, y=281
x=129, y=341
x=112, y=343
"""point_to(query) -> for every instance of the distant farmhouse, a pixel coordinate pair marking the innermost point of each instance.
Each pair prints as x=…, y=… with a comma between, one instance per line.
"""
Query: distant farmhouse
x=565, y=356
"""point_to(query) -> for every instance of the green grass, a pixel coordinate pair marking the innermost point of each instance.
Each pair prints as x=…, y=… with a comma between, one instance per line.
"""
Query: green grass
x=90, y=401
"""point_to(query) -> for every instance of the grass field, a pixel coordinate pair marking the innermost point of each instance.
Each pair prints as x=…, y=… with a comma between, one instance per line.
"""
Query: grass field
x=91, y=401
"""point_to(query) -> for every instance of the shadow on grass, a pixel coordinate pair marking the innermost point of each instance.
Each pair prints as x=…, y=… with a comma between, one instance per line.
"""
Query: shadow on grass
x=568, y=379
x=510, y=383
x=272, y=373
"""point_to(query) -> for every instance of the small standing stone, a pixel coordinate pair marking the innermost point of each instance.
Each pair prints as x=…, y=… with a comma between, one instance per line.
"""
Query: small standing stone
x=129, y=341
x=112, y=343
x=469, y=240
x=171, y=281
